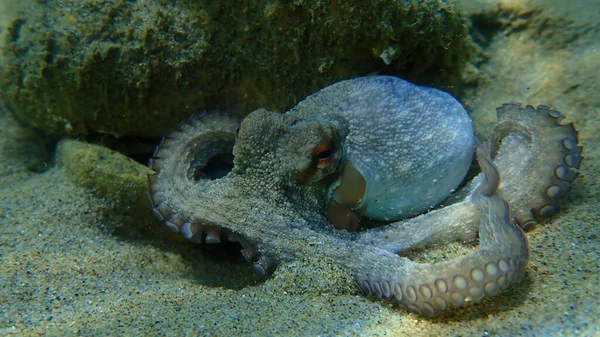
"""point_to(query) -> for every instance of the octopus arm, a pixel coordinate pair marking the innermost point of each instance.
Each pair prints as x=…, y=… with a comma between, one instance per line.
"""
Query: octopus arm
x=499, y=261
x=182, y=192
x=538, y=158
x=457, y=222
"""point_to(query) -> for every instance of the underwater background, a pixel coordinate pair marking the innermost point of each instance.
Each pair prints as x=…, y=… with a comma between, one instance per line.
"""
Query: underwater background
x=88, y=87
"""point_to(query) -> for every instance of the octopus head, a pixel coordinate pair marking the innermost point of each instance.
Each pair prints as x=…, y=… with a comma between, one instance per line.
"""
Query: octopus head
x=289, y=151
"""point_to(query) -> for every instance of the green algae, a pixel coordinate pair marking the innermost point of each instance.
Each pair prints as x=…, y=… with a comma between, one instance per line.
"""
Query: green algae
x=111, y=176
x=136, y=68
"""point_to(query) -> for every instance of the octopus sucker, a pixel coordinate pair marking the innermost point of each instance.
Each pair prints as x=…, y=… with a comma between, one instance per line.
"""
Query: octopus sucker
x=427, y=289
x=382, y=149
x=547, y=166
x=196, y=140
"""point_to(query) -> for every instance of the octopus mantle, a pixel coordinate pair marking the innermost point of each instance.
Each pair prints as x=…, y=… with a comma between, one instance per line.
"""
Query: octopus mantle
x=284, y=185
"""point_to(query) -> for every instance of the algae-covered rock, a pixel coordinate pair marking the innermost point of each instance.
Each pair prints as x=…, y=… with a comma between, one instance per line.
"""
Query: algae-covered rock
x=137, y=67
x=111, y=176
x=23, y=152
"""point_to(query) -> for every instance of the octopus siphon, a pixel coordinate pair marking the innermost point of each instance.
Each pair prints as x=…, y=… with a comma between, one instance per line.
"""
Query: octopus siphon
x=366, y=169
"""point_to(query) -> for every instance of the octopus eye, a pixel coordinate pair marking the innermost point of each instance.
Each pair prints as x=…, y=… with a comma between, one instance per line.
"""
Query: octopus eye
x=322, y=152
x=237, y=133
x=323, y=164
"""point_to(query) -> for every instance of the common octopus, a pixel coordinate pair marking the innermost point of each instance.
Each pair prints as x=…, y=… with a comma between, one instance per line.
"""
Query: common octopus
x=346, y=173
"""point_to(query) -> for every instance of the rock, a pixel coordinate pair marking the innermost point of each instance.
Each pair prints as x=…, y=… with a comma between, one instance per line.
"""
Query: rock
x=23, y=152
x=109, y=175
x=132, y=68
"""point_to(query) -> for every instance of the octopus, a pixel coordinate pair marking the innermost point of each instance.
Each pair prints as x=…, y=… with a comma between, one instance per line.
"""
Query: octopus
x=364, y=170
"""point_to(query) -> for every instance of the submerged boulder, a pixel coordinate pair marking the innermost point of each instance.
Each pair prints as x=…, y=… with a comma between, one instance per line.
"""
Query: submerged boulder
x=134, y=68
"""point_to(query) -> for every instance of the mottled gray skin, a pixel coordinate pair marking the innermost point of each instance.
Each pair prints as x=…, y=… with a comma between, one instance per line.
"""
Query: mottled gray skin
x=274, y=199
x=414, y=145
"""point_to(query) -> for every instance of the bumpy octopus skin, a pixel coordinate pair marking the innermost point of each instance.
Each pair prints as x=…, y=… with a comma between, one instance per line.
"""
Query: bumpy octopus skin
x=287, y=167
